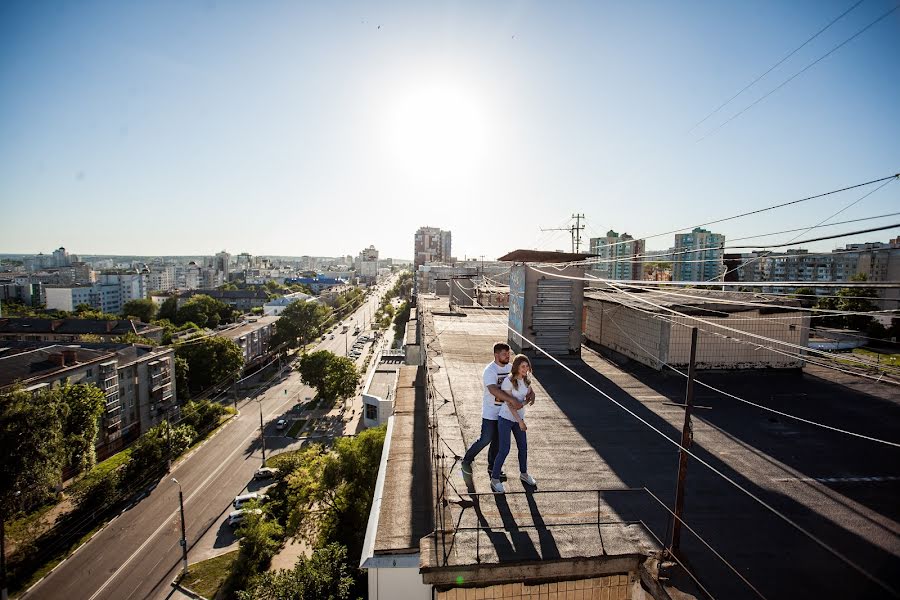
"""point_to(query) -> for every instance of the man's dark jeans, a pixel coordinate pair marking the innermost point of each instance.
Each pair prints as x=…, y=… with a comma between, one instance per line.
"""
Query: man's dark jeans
x=489, y=437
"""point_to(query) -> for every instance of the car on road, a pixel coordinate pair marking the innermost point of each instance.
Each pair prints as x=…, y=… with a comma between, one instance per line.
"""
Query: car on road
x=331, y=337
x=281, y=424
x=236, y=517
x=265, y=473
x=243, y=499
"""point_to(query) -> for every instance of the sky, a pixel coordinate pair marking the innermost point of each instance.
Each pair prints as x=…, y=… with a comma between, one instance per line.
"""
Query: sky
x=289, y=128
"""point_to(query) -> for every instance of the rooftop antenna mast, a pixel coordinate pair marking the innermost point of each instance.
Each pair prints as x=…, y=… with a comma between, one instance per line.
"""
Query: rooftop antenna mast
x=575, y=231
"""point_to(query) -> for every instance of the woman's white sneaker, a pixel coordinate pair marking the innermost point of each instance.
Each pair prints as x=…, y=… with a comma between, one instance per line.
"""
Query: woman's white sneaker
x=497, y=486
x=528, y=479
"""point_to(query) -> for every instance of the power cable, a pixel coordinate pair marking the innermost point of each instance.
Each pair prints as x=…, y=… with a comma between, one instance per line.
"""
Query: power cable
x=775, y=66
x=686, y=316
x=798, y=73
x=760, y=406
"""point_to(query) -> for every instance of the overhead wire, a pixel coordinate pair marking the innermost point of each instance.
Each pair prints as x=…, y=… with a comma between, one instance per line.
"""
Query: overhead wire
x=821, y=543
x=749, y=402
x=686, y=316
x=800, y=72
x=776, y=65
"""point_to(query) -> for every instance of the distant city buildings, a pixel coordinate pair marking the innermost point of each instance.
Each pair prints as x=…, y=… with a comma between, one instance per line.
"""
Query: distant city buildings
x=617, y=257
x=431, y=245
x=698, y=256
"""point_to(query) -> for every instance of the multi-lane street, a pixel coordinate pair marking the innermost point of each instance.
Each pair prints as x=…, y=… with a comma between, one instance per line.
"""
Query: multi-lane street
x=137, y=555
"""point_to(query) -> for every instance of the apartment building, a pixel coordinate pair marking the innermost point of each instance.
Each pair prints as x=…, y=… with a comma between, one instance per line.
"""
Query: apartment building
x=431, y=245
x=137, y=381
x=698, y=256
x=617, y=257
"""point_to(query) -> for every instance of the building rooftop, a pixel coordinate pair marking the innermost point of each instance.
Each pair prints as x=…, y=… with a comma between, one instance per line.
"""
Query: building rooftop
x=708, y=302
x=600, y=469
x=19, y=364
x=16, y=325
x=252, y=324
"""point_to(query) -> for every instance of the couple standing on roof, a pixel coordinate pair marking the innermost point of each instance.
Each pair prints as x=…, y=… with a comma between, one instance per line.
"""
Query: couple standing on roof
x=507, y=390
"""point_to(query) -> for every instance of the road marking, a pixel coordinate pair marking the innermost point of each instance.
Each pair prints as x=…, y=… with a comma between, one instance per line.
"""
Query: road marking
x=222, y=465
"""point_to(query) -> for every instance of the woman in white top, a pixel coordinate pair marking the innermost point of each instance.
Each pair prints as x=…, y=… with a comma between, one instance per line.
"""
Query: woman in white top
x=512, y=421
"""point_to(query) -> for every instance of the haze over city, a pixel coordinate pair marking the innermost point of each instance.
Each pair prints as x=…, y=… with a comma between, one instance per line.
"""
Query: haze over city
x=288, y=129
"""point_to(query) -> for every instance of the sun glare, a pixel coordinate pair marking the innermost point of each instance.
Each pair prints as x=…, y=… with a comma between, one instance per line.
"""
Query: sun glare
x=437, y=131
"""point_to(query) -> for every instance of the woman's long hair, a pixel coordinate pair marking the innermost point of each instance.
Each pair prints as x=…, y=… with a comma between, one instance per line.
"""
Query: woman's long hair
x=514, y=373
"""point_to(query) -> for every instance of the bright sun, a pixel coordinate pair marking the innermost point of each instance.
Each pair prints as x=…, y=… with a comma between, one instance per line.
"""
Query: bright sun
x=437, y=131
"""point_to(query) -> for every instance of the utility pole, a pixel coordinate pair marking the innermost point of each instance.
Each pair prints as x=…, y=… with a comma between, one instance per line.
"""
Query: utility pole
x=262, y=433
x=183, y=540
x=576, y=233
x=574, y=230
x=686, y=440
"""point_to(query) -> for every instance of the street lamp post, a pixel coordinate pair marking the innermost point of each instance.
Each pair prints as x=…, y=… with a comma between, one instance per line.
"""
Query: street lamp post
x=183, y=540
x=262, y=433
x=4, y=593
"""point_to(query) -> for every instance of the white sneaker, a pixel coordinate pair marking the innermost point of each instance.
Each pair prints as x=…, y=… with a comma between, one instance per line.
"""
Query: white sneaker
x=497, y=486
x=528, y=479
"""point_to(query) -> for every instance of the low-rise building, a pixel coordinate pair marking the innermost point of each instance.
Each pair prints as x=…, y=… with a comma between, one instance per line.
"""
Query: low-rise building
x=242, y=300
x=253, y=336
x=138, y=382
x=276, y=306
x=71, y=330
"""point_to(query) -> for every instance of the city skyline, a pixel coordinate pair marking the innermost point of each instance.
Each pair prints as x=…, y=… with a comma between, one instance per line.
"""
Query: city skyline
x=297, y=129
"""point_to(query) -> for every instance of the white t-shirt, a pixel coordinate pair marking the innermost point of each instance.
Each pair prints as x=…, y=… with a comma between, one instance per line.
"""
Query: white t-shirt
x=493, y=374
x=519, y=394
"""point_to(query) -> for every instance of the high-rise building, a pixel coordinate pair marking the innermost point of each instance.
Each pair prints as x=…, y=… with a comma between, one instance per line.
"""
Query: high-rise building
x=698, y=256
x=60, y=258
x=222, y=264
x=432, y=245
x=618, y=257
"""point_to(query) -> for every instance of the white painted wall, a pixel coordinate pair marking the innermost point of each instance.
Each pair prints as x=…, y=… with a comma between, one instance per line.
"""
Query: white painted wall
x=396, y=583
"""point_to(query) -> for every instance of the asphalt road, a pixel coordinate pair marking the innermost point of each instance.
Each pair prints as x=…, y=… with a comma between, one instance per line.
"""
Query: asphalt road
x=137, y=555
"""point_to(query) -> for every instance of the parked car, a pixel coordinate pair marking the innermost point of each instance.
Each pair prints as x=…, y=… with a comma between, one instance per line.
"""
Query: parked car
x=265, y=473
x=243, y=499
x=281, y=424
x=237, y=516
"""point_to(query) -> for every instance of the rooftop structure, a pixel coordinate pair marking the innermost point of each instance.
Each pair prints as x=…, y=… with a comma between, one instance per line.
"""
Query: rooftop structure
x=601, y=512
x=69, y=330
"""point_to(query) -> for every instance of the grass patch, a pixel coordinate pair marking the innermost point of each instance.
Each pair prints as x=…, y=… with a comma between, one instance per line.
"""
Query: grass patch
x=296, y=427
x=883, y=358
x=207, y=576
x=100, y=470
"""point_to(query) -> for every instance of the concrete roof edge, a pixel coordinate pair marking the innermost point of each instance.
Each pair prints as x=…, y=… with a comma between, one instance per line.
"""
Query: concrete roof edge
x=368, y=550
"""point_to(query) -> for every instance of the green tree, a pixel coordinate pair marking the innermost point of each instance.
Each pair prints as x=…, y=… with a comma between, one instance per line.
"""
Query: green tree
x=133, y=338
x=182, y=369
x=329, y=493
x=82, y=407
x=31, y=435
x=400, y=320
x=202, y=415
x=169, y=309
x=260, y=539
x=334, y=377
x=152, y=450
x=210, y=360
x=144, y=309
x=324, y=575
x=850, y=299
x=300, y=322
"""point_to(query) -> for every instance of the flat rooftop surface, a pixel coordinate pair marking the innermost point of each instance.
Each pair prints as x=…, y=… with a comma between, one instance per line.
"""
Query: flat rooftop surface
x=406, y=505
x=247, y=327
x=839, y=489
x=383, y=381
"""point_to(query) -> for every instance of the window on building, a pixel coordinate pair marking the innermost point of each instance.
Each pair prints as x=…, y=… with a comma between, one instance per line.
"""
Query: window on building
x=371, y=412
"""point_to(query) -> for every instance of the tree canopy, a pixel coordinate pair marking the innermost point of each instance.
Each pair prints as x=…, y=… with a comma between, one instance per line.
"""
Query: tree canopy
x=209, y=360
x=324, y=575
x=144, y=309
x=334, y=377
x=300, y=322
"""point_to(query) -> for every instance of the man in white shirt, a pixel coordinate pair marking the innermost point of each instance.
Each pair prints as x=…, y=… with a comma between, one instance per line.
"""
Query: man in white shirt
x=492, y=399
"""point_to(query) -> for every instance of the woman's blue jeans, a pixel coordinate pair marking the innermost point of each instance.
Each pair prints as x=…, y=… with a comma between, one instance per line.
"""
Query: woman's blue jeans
x=504, y=427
